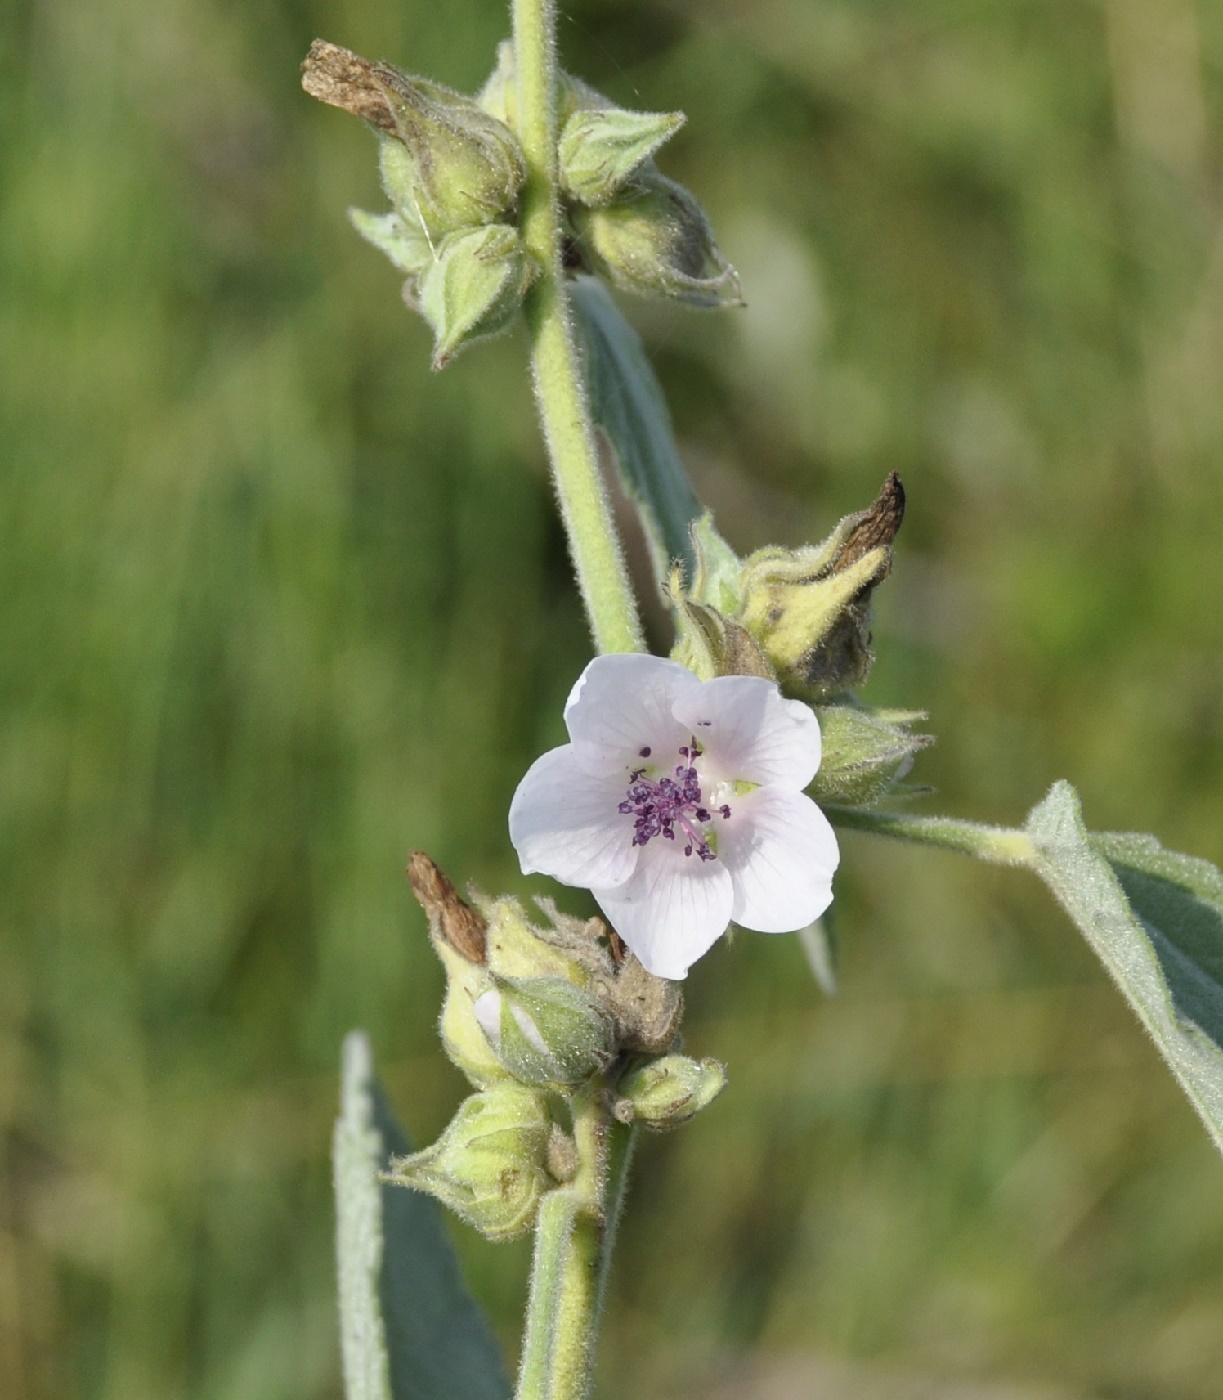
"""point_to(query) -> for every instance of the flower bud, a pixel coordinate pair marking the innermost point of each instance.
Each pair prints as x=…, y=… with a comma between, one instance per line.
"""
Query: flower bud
x=457, y=165
x=545, y=1030
x=809, y=609
x=644, y=1010
x=654, y=239
x=489, y=1166
x=448, y=162
x=666, y=1092
x=474, y=287
x=601, y=149
x=865, y=752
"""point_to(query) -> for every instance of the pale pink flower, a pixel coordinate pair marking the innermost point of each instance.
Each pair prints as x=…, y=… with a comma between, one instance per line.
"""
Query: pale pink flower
x=679, y=804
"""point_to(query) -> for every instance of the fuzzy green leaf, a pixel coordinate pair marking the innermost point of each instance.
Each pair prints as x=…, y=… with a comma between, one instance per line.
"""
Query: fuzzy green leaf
x=628, y=405
x=410, y=1329
x=1155, y=919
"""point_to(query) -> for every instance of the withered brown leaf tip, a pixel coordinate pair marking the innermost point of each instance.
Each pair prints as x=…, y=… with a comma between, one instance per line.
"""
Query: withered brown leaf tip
x=450, y=916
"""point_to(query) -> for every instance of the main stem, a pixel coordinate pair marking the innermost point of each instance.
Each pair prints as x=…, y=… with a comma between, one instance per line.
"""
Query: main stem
x=570, y=1239
x=560, y=390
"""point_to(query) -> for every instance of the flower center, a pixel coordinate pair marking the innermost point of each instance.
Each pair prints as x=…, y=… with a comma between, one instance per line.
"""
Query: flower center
x=665, y=805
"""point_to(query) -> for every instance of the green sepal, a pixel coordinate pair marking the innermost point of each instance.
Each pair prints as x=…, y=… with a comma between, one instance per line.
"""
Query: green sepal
x=474, y=287
x=865, y=752
x=668, y=1091
x=717, y=570
x=653, y=239
x=490, y=1164
x=546, y=1030
x=600, y=150
x=401, y=238
x=710, y=644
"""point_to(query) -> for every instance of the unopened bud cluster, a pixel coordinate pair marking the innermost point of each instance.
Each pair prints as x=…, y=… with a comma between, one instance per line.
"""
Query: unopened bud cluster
x=534, y=1014
x=801, y=617
x=452, y=173
x=453, y=170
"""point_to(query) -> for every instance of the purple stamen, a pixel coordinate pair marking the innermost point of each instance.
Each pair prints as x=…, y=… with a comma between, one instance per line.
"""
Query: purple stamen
x=664, y=804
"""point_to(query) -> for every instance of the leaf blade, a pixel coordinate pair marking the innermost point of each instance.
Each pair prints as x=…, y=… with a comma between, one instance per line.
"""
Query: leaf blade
x=627, y=403
x=437, y=1343
x=1155, y=920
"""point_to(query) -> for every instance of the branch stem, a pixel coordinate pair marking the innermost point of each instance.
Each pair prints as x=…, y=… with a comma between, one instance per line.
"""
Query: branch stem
x=999, y=845
x=560, y=390
x=570, y=1236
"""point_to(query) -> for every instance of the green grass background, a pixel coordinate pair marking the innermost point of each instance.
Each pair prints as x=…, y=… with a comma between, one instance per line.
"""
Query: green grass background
x=277, y=604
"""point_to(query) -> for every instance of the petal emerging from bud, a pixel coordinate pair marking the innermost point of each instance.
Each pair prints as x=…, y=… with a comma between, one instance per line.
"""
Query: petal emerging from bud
x=545, y=1030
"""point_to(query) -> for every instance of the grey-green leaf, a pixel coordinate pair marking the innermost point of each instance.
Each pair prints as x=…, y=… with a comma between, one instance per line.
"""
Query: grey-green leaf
x=628, y=405
x=435, y=1343
x=1155, y=919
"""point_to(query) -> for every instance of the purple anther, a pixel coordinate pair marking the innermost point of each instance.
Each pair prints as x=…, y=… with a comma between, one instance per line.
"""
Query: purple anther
x=662, y=805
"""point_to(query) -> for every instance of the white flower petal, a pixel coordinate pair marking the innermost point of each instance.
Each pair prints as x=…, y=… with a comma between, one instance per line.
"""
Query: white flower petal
x=749, y=732
x=622, y=704
x=564, y=823
x=781, y=853
x=673, y=910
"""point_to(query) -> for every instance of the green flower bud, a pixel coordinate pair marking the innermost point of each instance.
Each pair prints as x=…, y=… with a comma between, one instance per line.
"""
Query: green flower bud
x=644, y=1010
x=448, y=162
x=809, y=609
x=600, y=150
x=654, y=239
x=457, y=167
x=666, y=1092
x=865, y=752
x=474, y=287
x=489, y=1166
x=545, y=1030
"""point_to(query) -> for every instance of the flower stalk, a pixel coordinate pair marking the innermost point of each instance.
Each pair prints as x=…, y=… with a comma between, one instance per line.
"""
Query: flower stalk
x=569, y=1267
x=560, y=391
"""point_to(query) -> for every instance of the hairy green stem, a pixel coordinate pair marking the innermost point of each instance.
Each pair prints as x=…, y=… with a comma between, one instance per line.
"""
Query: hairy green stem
x=570, y=1233
x=997, y=844
x=620, y=1142
x=560, y=390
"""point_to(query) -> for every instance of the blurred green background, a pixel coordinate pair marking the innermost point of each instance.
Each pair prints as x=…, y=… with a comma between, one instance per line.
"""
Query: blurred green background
x=278, y=604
